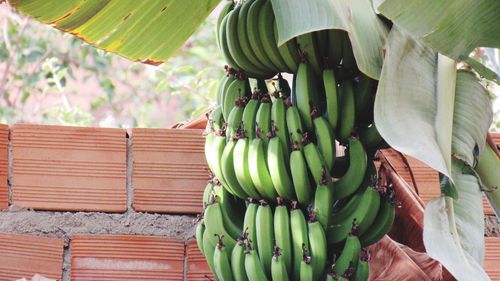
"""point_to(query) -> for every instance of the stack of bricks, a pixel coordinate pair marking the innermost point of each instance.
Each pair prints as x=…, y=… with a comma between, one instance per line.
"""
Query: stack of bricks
x=53, y=169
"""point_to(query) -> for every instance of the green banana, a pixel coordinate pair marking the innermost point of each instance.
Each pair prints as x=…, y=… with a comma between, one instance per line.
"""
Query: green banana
x=235, y=49
x=300, y=176
x=238, y=89
x=221, y=262
x=364, y=92
x=321, y=39
x=266, y=32
x=243, y=38
x=241, y=167
x=335, y=46
x=347, y=114
x=249, y=223
x=289, y=52
x=348, y=61
x=369, y=136
x=250, y=114
x=226, y=8
x=214, y=224
x=265, y=235
x=208, y=193
x=349, y=204
x=224, y=82
x=215, y=119
x=347, y=208
x=332, y=97
x=213, y=155
x=362, y=269
x=282, y=235
x=263, y=119
x=253, y=267
x=278, y=268
x=229, y=172
x=363, y=216
x=234, y=119
x=349, y=256
x=382, y=223
x=298, y=226
x=209, y=250
x=293, y=122
x=278, y=168
x=214, y=125
x=200, y=230
x=318, y=246
x=223, y=44
x=334, y=276
x=278, y=122
x=352, y=179
x=315, y=161
x=305, y=86
x=230, y=213
x=259, y=172
x=325, y=138
x=309, y=51
x=323, y=200
x=254, y=36
x=238, y=261
x=306, y=267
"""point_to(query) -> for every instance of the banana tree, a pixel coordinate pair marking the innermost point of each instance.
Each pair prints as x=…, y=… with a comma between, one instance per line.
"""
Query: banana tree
x=431, y=100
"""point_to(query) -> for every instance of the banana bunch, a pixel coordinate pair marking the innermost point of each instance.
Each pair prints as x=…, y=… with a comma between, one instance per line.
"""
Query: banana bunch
x=279, y=244
x=282, y=203
x=247, y=36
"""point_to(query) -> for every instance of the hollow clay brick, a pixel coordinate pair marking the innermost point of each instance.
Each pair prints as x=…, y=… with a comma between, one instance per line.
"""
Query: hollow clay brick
x=169, y=170
x=69, y=168
x=24, y=256
x=4, y=140
x=426, y=178
x=126, y=257
x=492, y=258
x=496, y=138
x=197, y=267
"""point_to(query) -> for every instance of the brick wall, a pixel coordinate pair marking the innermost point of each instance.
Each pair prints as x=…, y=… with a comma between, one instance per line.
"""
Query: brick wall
x=58, y=172
x=113, y=204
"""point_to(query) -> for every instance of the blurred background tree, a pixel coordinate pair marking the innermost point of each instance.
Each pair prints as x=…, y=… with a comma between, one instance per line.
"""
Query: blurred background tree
x=48, y=77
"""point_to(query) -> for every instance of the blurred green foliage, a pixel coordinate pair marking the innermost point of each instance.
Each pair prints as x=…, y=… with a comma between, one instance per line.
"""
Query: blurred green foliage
x=48, y=77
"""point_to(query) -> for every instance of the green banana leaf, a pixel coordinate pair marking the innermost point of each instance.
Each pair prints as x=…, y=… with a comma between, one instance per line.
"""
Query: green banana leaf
x=407, y=110
x=366, y=31
x=451, y=27
x=147, y=31
x=419, y=112
x=454, y=227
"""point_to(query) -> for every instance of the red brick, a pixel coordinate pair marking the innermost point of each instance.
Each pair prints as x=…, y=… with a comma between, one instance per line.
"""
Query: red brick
x=426, y=178
x=492, y=258
x=125, y=257
x=24, y=256
x=496, y=137
x=4, y=140
x=170, y=170
x=69, y=168
x=197, y=267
